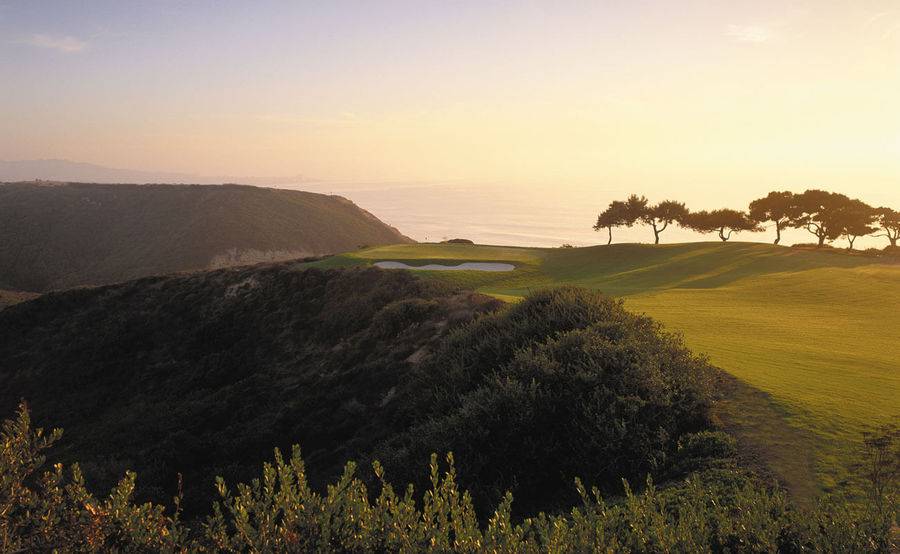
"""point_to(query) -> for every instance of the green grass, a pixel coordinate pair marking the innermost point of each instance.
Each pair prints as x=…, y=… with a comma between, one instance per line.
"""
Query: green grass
x=815, y=331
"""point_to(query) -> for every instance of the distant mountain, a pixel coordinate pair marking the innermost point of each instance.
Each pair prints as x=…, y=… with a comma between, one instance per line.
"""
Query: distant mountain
x=55, y=236
x=69, y=171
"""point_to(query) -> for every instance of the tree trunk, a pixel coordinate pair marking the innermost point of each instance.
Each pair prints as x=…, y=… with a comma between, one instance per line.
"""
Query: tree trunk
x=777, y=233
x=655, y=235
x=851, y=240
x=821, y=238
x=610, y=236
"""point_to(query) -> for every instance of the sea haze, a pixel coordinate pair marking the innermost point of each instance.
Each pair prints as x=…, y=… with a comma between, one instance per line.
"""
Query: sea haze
x=505, y=215
x=486, y=214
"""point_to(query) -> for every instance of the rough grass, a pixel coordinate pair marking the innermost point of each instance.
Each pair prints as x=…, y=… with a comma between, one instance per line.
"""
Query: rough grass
x=816, y=332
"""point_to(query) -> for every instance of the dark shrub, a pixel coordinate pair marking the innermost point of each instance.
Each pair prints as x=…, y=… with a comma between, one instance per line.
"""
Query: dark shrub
x=402, y=314
x=564, y=384
x=203, y=374
x=703, y=450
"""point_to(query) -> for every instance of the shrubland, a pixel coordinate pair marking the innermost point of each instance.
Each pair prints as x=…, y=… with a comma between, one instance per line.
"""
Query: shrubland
x=562, y=423
x=713, y=510
x=203, y=374
x=564, y=384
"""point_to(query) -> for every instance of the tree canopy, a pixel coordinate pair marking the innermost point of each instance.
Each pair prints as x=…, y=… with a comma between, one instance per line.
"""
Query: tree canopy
x=817, y=211
x=776, y=207
x=618, y=213
x=856, y=219
x=724, y=221
x=826, y=215
x=889, y=221
x=660, y=216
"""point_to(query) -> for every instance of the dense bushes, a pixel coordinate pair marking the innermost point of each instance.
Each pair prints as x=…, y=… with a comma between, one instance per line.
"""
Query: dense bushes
x=203, y=374
x=566, y=383
x=715, y=511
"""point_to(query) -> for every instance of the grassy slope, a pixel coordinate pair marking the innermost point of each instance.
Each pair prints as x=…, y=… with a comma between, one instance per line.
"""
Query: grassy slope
x=817, y=331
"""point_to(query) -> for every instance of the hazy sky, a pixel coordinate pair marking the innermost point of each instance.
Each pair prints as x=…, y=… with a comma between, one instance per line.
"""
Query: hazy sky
x=708, y=102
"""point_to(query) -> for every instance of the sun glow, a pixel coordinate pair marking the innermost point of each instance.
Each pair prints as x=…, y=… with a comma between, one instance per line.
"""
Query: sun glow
x=539, y=96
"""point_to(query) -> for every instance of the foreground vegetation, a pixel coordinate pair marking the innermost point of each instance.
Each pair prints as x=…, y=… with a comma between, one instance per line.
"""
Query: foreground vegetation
x=718, y=509
x=565, y=384
x=810, y=329
x=203, y=374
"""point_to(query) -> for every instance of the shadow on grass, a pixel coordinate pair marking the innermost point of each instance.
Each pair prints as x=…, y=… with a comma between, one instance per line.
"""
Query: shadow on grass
x=767, y=442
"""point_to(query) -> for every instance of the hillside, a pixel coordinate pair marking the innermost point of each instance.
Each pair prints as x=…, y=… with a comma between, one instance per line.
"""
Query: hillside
x=56, y=236
x=811, y=330
x=204, y=374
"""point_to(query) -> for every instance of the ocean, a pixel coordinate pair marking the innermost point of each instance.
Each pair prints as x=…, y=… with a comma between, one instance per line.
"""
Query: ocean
x=500, y=215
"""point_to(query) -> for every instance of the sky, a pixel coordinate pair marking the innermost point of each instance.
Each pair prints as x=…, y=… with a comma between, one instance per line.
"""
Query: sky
x=712, y=103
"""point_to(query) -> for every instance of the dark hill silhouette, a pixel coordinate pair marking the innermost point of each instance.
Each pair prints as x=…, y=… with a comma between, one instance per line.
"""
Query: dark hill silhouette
x=202, y=374
x=205, y=373
x=55, y=236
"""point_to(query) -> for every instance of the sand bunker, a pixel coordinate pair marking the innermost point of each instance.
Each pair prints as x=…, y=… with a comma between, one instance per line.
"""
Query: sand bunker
x=466, y=266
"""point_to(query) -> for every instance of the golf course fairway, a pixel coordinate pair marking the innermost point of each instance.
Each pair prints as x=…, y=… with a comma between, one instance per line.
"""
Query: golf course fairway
x=812, y=334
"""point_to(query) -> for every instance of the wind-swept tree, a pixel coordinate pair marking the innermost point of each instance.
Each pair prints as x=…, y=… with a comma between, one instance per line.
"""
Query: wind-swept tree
x=856, y=220
x=777, y=207
x=660, y=216
x=820, y=213
x=889, y=221
x=636, y=206
x=618, y=213
x=724, y=221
